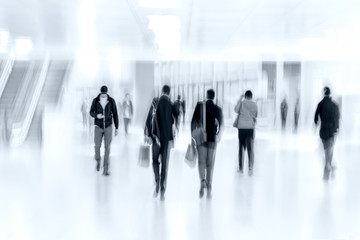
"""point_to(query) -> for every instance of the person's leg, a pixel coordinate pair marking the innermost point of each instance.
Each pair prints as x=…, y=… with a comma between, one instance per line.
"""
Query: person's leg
x=250, y=149
x=126, y=123
x=202, y=155
x=164, y=152
x=156, y=166
x=98, y=136
x=241, y=149
x=210, y=162
x=328, y=148
x=108, y=133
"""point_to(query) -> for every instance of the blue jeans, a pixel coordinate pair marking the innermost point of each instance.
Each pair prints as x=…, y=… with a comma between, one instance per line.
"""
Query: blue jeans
x=98, y=137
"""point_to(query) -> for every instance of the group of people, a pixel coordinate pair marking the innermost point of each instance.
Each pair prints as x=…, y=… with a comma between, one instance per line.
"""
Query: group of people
x=163, y=117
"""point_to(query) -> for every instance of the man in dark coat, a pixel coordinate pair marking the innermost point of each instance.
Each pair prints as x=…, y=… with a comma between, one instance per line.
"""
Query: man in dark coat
x=162, y=132
x=103, y=110
x=329, y=114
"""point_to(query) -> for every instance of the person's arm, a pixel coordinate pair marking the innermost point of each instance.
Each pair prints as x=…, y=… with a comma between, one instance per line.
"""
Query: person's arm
x=256, y=113
x=317, y=112
x=93, y=109
x=238, y=105
x=148, y=120
x=220, y=120
x=337, y=118
x=115, y=113
x=195, y=117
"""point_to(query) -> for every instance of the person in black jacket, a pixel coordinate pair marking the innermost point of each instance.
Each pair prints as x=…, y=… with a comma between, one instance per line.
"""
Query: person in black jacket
x=162, y=132
x=207, y=150
x=103, y=110
x=329, y=114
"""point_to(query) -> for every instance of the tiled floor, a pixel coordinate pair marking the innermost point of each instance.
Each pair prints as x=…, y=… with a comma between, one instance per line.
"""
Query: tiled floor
x=55, y=193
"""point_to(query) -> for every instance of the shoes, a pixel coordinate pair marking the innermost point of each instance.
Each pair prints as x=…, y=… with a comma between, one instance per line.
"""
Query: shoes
x=98, y=166
x=250, y=172
x=240, y=171
x=202, y=188
x=326, y=175
x=157, y=188
x=106, y=173
x=162, y=194
x=208, y=193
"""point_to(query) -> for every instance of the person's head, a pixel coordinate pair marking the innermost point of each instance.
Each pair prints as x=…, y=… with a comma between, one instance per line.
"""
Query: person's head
x=248, y=95
x=166, y=90
x=127, y=96
x=210, y=94
x=179, y=97
x=103, y=91
x=326, y=91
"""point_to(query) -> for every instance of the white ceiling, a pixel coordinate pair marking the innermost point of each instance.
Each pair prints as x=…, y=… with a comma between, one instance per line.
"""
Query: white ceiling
x=209, y=28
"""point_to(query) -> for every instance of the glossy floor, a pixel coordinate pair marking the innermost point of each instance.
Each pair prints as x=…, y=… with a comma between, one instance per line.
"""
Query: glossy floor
x=55, y=193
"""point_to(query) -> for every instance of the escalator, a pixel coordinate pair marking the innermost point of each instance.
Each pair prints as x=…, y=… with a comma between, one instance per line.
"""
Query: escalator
x=50, y=96
x=13, y=85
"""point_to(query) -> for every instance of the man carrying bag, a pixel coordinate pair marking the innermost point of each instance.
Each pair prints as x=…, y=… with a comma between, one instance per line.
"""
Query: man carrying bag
x=209, y=116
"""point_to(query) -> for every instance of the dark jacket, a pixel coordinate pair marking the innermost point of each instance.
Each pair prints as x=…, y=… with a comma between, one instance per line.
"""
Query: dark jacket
x=165, y=115
x=149, y=131
x=214, y=119
x=110, y=112
x=329, y=116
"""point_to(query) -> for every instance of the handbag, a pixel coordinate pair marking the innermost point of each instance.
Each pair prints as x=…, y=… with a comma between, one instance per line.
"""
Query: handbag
x=191, y=155
x=199, y=133
x=144, y=156
x=237, y=119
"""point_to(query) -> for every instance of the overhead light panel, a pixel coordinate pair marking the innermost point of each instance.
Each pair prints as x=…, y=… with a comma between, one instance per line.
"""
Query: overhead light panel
x=23, y=45
x=4, y=40
x=160, y=3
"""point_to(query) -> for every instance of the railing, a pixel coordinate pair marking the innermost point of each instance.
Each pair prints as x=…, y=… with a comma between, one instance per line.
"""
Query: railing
x=6, y=72
x=22, y=125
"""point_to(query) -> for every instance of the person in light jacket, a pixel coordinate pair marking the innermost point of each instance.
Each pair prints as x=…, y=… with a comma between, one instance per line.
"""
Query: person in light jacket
x=247, y=111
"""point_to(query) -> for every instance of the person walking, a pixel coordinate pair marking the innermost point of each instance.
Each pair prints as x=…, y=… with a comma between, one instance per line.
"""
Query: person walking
x=207, y=150
x=178, y=109
x=284, y=111
x=84, y=108
x=328, y=112
x=247, y=111
x=160, y=128
x=128, y=111
x=103, y=110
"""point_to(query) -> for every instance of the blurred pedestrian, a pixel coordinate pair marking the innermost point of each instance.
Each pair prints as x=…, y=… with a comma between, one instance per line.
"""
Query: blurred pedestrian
x=247, y=111
x=160, y=128
x=329, y=114
x=284, y=112
x=206, y=151
x=127, y=108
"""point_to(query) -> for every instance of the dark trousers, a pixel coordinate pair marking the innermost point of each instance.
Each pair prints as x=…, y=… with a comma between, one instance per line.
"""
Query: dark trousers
x=246, y=142
x=160, y=155
x=126, y=124
x=329, y=150
x=283, y=122
x=206, y=153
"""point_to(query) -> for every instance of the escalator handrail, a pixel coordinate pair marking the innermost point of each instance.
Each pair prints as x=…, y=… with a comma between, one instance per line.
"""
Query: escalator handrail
x=22, y=129
x=6, y=72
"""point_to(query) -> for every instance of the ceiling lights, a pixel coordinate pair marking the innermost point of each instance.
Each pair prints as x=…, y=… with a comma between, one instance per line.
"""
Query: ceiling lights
x=160, y=3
